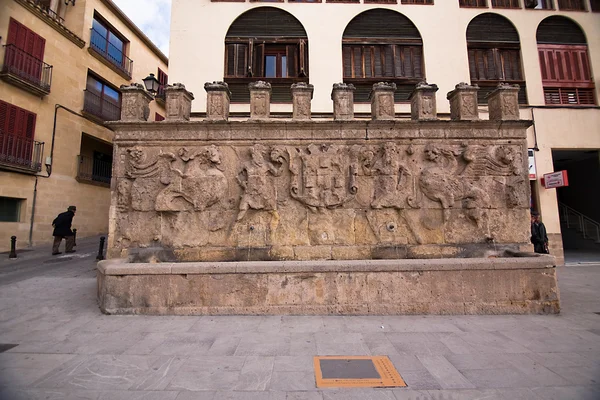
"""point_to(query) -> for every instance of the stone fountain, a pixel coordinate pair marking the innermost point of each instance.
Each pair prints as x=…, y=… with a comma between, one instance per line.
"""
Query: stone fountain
x=305, y=216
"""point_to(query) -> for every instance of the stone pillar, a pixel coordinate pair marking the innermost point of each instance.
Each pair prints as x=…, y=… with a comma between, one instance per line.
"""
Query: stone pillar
x=422, y=102
x=217, y=101
x=343, y=101
x=463, y=102
x=382, y=101
x=302, y=94
x=179, y=102
x=260, y=100
x=503, y=103
x=135, y=103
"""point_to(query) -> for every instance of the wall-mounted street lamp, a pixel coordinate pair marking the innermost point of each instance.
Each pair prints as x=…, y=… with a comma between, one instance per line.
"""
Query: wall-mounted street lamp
x=152, y=84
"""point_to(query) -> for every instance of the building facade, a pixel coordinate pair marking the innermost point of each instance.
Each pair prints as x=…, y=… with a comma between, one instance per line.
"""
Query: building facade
x=551, y=48
x=63, y=65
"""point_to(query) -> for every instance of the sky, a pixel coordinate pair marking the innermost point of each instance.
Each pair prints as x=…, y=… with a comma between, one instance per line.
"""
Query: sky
x=153, y=17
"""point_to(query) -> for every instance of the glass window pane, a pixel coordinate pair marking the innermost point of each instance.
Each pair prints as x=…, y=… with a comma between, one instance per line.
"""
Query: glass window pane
x=111, y=94
x=100, y=28
x=270, y=66
x=94, y=85
x=284, y=67
x=10, y=209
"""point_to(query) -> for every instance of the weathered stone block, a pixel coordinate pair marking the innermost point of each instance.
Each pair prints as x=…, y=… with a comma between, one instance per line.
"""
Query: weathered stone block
x=260, y=100
x=503, y=103
x=179, y=102
x=217, y=102
x=382, y=101
x=302, y=94
x=343, y=101
x=463, y=102
x=423, y=103
x=135, y=103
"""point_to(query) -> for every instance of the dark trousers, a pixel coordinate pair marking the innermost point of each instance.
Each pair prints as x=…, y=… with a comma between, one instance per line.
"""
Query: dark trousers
x=69, y=242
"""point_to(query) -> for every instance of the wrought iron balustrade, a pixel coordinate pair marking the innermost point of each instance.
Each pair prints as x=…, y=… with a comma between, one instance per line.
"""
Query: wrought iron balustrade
x=110, y=52
x=27, y=67
x=21, y=152
x=93, y=170
x=101, y=107
x=589, y=228
x=43, y=5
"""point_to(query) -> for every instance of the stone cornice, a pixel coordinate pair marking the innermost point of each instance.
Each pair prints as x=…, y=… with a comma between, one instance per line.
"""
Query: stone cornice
x=60, y=28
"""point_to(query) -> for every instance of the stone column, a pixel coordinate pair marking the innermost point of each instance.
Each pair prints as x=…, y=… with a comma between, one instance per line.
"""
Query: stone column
x=463, y=102
x=260, y=100
x=503, y=103
x=343, y=101
x=135, y=103
x=217, y=102
x=382, y=101
x=179, y=102
x=422, y=102
x=302, y=94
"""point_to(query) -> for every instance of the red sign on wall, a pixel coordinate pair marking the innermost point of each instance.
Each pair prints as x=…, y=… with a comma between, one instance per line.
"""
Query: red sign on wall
x=555, y=180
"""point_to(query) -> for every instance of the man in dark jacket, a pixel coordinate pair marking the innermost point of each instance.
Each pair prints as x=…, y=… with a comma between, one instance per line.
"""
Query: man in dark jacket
x=539, y=238
x=62, y=229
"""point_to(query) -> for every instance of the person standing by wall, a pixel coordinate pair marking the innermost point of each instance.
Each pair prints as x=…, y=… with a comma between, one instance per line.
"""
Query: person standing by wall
x=62, y=229
x=539, y=238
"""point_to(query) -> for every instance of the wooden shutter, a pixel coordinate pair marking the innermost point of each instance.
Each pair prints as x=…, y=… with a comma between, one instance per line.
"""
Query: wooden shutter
x=158, y=117
x=302, y=59
x=560, y=30
x=236, y=64
x=291, y=53
x=347, y=61
x=163, y=78
x=258, y=60
x=564, y=64
x=16, y=121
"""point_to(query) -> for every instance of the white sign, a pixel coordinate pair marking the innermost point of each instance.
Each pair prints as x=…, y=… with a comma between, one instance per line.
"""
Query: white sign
x=555, y=180
x=532, y=174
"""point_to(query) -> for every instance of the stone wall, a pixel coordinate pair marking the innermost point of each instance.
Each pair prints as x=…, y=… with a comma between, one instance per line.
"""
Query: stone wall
x=302, y=189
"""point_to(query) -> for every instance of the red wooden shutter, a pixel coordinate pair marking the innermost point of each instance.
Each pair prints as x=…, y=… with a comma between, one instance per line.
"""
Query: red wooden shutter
x=158, y=117
x=17, y=128
x=564, y=64
x=13, y=30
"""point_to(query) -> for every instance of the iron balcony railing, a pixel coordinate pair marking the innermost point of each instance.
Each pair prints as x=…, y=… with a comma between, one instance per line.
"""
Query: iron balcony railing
x=94, y=170
x=43, y=5
x=589, y=228
x=111, y=52
x=27, y=67
x=100, y=107
x=21, y=152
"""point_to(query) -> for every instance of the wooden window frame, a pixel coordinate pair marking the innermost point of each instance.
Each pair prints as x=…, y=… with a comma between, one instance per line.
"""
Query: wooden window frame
x=417, y=2
x=567, y=5
x=506, y=4
x=473, y=3
x=546, y=5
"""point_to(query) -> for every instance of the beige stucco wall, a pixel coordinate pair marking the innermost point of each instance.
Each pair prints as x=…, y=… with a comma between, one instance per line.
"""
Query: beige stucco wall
x=70, y=68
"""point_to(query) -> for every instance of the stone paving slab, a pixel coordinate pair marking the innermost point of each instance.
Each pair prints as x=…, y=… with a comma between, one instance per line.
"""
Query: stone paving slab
x=68, y=350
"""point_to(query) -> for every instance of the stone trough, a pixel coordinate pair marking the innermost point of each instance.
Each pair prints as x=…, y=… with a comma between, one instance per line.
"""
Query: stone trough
x=342, y=216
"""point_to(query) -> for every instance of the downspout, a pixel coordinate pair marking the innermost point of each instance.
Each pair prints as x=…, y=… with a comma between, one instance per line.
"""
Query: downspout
x=535, y=143
x=48, y=166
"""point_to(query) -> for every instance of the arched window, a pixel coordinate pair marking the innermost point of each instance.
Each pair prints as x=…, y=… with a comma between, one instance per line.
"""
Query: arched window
x=494, y=54
x=382, y=45
x=268, y=44
x=564, y=62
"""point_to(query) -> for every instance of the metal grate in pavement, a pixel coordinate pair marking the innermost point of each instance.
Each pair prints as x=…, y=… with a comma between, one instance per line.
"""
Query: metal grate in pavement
x=6, y=346
x=356, y=371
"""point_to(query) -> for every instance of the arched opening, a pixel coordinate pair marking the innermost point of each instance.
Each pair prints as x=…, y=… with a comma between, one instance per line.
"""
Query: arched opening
x=564, y=63
x=269, y=44
x=494, y=54
x=382, y=45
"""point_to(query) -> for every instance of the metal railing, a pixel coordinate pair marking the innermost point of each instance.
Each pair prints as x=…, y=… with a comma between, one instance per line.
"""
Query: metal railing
x=111, y=52
x=94, y=170
x=100, y=107
x=589, y=228
x=27, y=67
x=43, y=5
x=19, y=151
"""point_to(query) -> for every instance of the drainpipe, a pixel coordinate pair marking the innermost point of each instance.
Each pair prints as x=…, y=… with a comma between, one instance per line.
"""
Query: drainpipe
x=48, y=164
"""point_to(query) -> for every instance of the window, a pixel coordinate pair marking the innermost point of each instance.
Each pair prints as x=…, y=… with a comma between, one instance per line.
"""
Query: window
x=265, y=44
x=110, y=45
x=94, y=161
x=494, y=55
x=506, y=4
x=163, y=80
x=564, y=63
x=17, y=131
x=102, y=100
x=571, y=5
x=473, y=3
x=539, y=4
x=595, y=5
x=416, y=1
x=371, y=54
x=10, y=209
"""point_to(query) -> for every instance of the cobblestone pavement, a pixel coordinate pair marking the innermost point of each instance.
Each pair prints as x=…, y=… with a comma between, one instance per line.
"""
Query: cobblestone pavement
x=66, y=349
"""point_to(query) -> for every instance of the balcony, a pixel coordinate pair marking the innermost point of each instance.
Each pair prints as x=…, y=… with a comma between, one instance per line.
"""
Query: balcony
x=20, y=154
x=94, y=171
x=45, y=8
x=110, y=54
x=26, y=71
x=100, y=108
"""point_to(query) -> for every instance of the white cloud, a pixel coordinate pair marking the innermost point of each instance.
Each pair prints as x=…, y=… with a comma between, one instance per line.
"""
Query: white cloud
x=153, y=17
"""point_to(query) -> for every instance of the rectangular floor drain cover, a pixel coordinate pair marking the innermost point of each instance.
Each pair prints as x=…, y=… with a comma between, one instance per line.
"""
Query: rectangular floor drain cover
x=356, y=371
x=6, y=346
